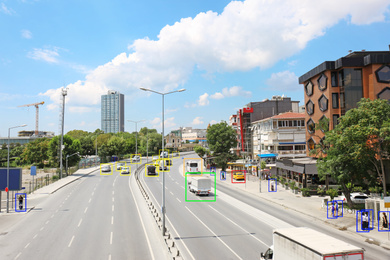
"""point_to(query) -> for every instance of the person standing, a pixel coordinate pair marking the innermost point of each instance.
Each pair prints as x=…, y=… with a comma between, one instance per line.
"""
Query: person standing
x=365, y=221
x=385, y=221
x=20, y=198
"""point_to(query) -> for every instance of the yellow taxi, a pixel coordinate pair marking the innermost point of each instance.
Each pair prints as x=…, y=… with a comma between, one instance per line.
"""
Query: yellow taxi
x=238, y=176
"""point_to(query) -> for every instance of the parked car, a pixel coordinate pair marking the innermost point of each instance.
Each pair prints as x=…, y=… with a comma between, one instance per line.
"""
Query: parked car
x=106, y=168
x=125, y=170
x=357, y=197
x=119, y=165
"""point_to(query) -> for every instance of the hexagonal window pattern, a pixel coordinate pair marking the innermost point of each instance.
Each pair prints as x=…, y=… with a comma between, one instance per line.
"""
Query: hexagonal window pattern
x=311, y=144
x=309, y=88
x=310, y=107
x=383, y=74
x=384, y=94
x=324, y=124
x=323, y=103
x=311, y=127
x=322, y=81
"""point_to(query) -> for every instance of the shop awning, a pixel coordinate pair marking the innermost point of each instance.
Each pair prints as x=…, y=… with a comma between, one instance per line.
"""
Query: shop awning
x=267, y=155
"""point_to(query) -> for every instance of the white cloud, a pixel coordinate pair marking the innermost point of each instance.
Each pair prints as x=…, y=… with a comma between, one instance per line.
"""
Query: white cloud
x=247, y=34
x=168, y=122
x=231, y=92
x=49, y=55
x=4, y=9
x=203, y=100
x=284, y=81
x=26, y=34
x=213, y=122
x=82, y=110
x=197, y=121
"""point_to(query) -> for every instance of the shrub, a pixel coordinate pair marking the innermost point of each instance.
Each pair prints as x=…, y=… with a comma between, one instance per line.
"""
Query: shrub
x=305, y=192
x=54, y=177
x=357, y=189
x=332, y=193
x=321, y=191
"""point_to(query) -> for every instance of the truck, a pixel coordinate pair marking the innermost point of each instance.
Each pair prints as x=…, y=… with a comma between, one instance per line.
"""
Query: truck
x=199, y=186
x=307, y=244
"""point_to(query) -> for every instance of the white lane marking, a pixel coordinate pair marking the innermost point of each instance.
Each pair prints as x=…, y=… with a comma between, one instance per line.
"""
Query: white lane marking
x=182, y=187
x=112, y=207
x=171, y=192
x=52, y=216
x=46, y=222
x=178, y=200
x=41, y=228
x=142, y=222
x=27, y=245
x=112, y=199
x=93, y=193
x=213, y=233
x=81, y=220
x=85, y=209
x=224, y=216
x=70, y=243
x=170, y=223
x=112, y=220
x=17, y=256
x=56, y=210
x=109, y=257
x=90, y=200
x=112, y=192
x=111, y=239
x=35, y=236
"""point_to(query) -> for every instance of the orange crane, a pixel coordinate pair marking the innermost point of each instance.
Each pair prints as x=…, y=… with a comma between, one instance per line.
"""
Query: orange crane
x=36, y=114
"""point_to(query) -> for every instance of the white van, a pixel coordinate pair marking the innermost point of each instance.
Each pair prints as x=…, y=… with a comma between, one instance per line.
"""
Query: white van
x=192, y=166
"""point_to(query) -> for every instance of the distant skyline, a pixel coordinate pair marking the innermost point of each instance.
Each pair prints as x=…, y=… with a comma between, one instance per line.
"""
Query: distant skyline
x=224, y=53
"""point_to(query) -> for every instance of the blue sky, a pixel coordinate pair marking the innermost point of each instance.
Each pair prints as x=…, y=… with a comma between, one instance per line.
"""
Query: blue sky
x=224, y=53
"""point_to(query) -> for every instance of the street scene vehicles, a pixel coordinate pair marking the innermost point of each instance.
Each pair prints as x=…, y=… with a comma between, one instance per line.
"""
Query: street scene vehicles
x=238, y=176
x=199, y=186
x=307, y=244
x=192, y=166
x=106, y=168
x=125, y=170
x=151, y=170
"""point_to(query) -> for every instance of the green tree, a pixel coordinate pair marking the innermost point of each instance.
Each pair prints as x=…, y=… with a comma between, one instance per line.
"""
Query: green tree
x=36, y=152
x=71, y=146
x=221, y=138
x=356, y=147
x=200, y=150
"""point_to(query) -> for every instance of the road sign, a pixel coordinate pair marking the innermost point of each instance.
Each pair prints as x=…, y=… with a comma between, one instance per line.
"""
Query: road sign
x=387, y=202
x=33, y=170
x=6, y=189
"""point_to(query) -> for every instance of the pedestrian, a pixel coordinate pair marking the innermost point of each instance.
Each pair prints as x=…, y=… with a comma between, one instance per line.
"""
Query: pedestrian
x=336, y=208
x=385, y=221
x=20, y=198
x=365, y=221
x=272, y=185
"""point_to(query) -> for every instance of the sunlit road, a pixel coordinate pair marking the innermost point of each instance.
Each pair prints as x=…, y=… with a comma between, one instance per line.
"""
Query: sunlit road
x=235, y=226
x=95, y=217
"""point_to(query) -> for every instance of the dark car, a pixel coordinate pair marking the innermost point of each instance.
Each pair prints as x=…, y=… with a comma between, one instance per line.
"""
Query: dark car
x=151, y=170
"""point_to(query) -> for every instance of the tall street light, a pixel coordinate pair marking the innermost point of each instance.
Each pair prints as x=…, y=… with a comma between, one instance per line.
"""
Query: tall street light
x=9, y=130
x=163, y=173
x=136, y=133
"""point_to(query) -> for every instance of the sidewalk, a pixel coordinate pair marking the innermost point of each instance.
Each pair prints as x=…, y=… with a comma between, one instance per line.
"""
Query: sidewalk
x=310, y=206
x=49, y=189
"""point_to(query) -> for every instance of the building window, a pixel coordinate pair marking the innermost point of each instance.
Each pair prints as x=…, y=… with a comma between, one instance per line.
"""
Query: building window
x=310, y=107
x=311, y=126
x=351, y=79
x=322, y=81
x=335, y=100
x=323, y=103
x=309, y=88
x=311, y=144
x=383, y=74
x=385, y=93
x=334, y=79
x=335, y=120
x=324, y=124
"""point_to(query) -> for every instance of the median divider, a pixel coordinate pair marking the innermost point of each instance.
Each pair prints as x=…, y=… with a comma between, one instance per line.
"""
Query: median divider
x=171, y=245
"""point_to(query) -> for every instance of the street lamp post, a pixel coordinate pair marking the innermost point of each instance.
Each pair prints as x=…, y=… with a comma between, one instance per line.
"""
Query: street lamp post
x=9, y=130
x=136, y=133
x=67, y=156
x=163, y=173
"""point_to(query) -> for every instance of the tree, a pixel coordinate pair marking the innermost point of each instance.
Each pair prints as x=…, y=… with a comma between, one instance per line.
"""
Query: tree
x=71, y=146
x=36, y=152
x=221, y=138
x=200, y=150
x=356, y=147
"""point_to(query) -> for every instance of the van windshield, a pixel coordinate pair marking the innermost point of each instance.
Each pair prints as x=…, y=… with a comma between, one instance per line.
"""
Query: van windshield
x=193, y=165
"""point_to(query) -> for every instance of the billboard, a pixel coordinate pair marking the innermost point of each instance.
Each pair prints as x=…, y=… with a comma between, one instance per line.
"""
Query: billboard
x=15, y=179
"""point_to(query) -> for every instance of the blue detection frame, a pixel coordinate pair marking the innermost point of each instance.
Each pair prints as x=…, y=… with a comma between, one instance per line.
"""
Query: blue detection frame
x=359, y=215
x=24, y=207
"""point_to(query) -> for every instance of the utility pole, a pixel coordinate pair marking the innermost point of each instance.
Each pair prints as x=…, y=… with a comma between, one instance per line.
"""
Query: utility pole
x=64, y=93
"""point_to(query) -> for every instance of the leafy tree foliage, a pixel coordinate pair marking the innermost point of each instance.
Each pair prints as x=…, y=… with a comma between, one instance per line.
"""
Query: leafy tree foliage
x=71, y=146
x=221, y=138
x=200, y=150
x=36, y=152
x=356, y=147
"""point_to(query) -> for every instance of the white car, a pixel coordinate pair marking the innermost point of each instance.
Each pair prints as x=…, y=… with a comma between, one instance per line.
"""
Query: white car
x=119, y=165
x=125, y=170
x=357, y=197
x=106, y=168
x=135, y=158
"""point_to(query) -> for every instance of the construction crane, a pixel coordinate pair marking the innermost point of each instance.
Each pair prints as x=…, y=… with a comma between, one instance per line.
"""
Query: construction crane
x=36, y=114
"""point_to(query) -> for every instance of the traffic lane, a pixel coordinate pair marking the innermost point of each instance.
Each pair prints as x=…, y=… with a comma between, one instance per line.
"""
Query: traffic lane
x=236, y=241
x=189, y=237
x=301, y=220
x=24, y=241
